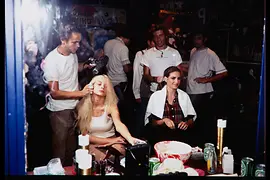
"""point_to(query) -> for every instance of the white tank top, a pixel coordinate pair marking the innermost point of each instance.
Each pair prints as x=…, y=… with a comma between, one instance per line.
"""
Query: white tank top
x=102, y=126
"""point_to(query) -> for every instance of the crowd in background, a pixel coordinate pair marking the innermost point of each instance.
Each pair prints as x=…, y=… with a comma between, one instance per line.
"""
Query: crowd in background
x=134, y=81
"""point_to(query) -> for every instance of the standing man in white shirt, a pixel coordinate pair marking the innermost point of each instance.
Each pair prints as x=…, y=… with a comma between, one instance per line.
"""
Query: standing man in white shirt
x=61, y=73
x=158, y=58
x=204, y=68
x=141, y=88
x=119, y=66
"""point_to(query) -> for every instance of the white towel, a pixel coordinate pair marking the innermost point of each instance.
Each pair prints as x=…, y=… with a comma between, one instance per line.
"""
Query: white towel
x=157, y=101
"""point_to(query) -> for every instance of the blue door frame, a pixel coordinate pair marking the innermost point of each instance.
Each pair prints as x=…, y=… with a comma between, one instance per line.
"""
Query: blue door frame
x=261, y=127
x=14, y=91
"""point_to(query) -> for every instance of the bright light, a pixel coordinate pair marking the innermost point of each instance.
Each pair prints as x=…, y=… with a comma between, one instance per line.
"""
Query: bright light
x=32, y=13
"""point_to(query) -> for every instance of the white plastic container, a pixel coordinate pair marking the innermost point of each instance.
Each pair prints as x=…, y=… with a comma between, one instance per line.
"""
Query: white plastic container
x=83, y=141
x=227, y=161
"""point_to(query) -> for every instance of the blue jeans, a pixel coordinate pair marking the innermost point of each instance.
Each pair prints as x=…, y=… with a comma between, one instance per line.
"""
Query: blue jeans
x=120, y=90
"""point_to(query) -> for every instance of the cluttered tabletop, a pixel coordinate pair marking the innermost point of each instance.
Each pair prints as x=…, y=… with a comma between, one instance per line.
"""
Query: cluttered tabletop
x=172, y=158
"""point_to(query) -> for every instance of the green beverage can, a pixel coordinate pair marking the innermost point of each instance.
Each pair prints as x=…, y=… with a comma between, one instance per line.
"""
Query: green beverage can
x=247, y=166
x=207, y=148
x=260, y=170
x=153, y=161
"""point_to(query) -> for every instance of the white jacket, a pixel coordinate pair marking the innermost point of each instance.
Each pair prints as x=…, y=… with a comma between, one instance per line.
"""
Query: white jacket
x=137, y=74
x=157, y=102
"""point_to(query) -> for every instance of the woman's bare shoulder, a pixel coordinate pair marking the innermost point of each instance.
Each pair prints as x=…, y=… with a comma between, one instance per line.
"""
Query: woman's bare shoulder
x=112, y=108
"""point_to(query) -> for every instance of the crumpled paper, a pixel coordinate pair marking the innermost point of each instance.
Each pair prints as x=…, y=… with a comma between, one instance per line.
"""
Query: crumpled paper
x=55, y=167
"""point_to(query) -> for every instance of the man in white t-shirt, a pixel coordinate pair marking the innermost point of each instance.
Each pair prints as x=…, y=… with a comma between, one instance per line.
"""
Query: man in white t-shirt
x=61, y=73
x=158, y=58
x=204, y=68
x=141, y=88
x=118, y=53
x=119, y=67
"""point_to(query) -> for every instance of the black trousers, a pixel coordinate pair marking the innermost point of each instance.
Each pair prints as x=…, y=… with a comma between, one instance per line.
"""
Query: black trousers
x=126, y=104
x=205, y=126
x=139, y=117
x=38, y=139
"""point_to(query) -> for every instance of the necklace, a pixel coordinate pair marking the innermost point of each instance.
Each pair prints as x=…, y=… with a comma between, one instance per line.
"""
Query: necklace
x=60, y=52
x=161, y=53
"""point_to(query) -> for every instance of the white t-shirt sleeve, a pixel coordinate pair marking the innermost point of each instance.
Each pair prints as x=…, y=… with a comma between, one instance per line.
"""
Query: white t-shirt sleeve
x=144, y=59
x=50, y=70
x=123, y=55
x=137, y=76
x=192, y=51
x=217, y=65
x=178, y=59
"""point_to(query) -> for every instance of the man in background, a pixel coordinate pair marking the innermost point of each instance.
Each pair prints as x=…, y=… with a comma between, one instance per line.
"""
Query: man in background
x=158, y=58
x=141, y=88
x=119, y=66
x=204, y=68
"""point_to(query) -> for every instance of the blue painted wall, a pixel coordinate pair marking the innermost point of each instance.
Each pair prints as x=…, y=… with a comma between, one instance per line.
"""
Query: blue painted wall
x=14, y=92
x=260, y=146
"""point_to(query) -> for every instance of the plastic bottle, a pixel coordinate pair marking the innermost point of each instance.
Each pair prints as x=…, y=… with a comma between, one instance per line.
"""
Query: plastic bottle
x=227, y=161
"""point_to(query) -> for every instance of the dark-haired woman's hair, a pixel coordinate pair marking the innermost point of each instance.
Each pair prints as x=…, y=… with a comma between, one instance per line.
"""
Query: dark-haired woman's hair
x=170, y=70
x=66, y=31
x=167, y=73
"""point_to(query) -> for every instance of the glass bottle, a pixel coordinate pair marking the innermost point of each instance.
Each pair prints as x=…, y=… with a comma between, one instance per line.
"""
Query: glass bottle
x=207, y=148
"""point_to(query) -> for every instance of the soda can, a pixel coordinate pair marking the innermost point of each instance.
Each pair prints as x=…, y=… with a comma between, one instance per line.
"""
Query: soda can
x=207, y=149
x=153, y=161
x=247, y=166
x=155, y=168
x=212, y=162
x=260, y=170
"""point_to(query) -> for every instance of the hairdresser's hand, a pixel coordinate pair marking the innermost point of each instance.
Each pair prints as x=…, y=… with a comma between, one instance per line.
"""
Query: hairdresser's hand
x=183, y=125
x=91, y=87
x=169, y=123
x=86, y=90
x=202, y=80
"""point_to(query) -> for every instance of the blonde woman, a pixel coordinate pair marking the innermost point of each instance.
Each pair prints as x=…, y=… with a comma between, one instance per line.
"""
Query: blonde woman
x=98, y=115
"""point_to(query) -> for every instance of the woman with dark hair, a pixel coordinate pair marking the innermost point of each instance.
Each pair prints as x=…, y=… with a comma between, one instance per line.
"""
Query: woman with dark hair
x=170, y=112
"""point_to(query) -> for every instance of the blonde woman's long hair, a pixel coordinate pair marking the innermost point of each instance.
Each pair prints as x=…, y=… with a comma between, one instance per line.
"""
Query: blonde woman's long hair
x=84, y=108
